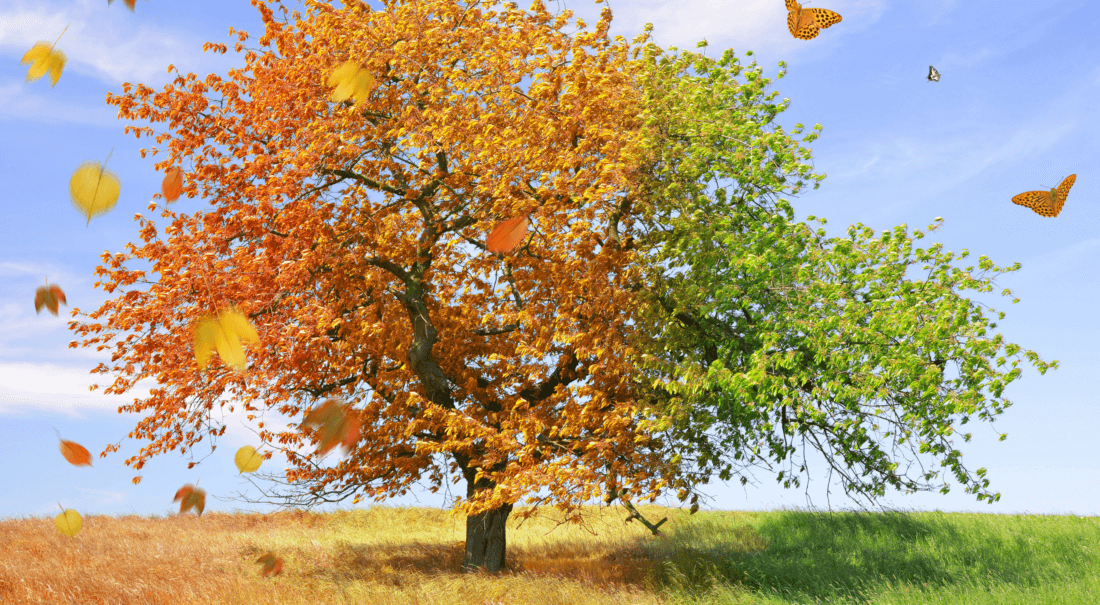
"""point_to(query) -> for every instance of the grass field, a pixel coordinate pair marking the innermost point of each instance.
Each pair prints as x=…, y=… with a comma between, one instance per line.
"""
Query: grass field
x=404, y=556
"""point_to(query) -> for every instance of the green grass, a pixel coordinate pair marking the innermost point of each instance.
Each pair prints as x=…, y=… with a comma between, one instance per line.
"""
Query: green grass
x=413, y=556
x=887, y=558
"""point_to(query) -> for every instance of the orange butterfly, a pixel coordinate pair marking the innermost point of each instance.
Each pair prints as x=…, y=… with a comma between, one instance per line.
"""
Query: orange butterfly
x=1046, y=203
x=806, y=23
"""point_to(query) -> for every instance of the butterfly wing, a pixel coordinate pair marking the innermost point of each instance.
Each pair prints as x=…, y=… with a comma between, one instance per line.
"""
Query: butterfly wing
x=1063, y=191
x=824, y=17
x=1041, y=202
x=933, y=75
x=794, y=11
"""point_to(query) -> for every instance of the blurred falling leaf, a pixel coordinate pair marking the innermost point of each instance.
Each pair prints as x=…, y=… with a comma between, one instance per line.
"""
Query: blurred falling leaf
x=68, y=522
x=75, y=453
x=94, y=189
x=223, y=334
x=351, y=80
x=336, y=424
x=48, y=296
x=272, y=565
x=172, y=184
x=507, y=235
x=190, y=497
x=247, y=460
x=129, y=4
x=43, y=58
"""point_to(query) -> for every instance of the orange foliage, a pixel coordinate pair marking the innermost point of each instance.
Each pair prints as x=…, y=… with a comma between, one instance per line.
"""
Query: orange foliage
x=381, y=293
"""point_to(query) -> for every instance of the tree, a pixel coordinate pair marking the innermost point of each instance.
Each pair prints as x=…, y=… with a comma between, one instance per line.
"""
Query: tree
x=515, y=367
x=759, y=330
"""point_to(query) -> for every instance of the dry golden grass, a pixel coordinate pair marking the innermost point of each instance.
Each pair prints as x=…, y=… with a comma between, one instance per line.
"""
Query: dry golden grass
x=378, y=555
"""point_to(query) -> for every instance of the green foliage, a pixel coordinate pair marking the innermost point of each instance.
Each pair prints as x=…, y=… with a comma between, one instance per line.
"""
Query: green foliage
x=751, y=320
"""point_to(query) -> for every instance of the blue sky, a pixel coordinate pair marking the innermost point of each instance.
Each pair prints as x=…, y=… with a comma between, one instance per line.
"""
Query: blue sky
x=1015, y=111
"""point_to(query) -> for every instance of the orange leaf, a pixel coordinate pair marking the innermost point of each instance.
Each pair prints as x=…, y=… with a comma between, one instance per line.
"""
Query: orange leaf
x=272, y=565
x=190, y=497
x=48, y=296
x=335, y=424
x=129, y=4
x=75, y=453
x=172, y=184
x=507, y=235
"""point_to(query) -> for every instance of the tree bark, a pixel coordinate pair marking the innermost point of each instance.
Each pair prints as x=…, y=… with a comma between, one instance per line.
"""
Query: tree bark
x=486, y=543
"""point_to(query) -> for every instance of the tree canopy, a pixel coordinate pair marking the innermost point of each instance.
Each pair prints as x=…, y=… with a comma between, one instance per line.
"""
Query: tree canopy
x=452, y=118
x=762, y=331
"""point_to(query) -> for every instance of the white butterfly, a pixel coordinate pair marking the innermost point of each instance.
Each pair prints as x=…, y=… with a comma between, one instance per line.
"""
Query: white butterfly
x=933, y=75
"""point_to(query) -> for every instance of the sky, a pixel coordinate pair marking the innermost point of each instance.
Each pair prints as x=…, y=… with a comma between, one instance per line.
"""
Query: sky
x=1014, y=111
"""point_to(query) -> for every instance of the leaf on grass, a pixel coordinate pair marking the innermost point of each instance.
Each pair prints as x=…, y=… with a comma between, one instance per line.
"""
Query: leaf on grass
x=172, y=184
x=93, y=189
x=43, y=58
x=68, y=522
x=190, y=497
x=247, y=459
x=351, y=80
x=507, y=235
x=336, y=424
x=49, y=297
x=75, y=453
x=272, y=565
x=224, y=335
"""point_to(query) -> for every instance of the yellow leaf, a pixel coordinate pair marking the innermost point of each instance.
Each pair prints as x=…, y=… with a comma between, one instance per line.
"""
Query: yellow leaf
x=350, y=80
x=204, y=340
x=224, y=335
x=68, y=522
x=43, y=58
x=93, y=189
x=247, y=459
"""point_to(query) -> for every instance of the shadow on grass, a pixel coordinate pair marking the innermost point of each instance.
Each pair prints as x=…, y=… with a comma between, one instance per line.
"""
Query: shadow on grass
x=817, y=556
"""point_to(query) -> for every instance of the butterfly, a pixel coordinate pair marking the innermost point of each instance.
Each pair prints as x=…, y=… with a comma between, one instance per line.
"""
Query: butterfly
x=806, y=23
x=933, y=75
x=1046, y=203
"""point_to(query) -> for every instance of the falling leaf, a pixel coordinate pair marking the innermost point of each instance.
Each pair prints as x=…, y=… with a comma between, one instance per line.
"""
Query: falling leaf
x=336, y=425
x=351, y=80
x=190, y=497
x=75, y=453
x=223, y=334
x=272, y=565
x=507, y=235
x=172, y=184
x=94, y=189
x=49, y=297
x=129, y=4
x=247, y=460
x=68, y=522
x=43, y=58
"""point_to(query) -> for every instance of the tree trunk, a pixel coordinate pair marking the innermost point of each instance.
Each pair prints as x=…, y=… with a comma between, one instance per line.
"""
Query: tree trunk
x=485, y=539
x=485, y=536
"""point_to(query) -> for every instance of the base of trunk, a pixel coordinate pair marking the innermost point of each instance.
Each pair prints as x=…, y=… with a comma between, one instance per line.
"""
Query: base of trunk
x=485, y=540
